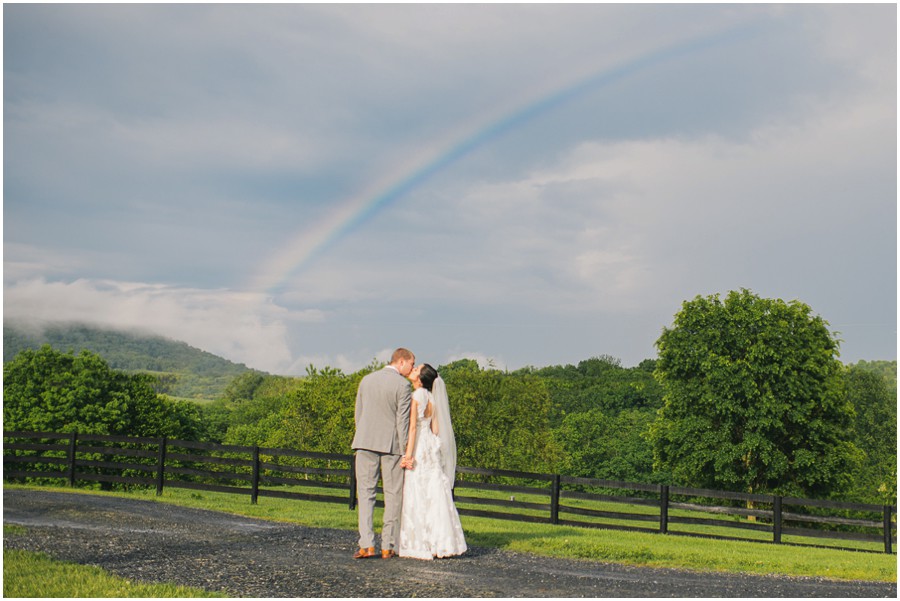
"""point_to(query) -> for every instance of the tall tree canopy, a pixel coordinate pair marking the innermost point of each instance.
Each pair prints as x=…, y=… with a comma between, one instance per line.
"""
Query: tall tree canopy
x=49, y=391
x=754, y=398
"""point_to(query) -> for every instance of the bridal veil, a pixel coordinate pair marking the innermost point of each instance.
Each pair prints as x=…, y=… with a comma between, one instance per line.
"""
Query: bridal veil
x=445, y=428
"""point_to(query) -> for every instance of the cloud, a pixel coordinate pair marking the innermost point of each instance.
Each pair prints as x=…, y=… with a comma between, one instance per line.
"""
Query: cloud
x=200, y=149
x=612, y=224
x=243, y=327
x=633, y=228
x=26, y=261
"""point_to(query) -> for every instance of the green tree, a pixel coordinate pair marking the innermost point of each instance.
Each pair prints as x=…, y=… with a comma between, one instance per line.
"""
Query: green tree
x=501, y=421
x=599, y=383
x=874, y=398
x=46, y=390
x=314, y=414
x=754, y=398
x=609, y=447
x=886, y=369
x=237, y=405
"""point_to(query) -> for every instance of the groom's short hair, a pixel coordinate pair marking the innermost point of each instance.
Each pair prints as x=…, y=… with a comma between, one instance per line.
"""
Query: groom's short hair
x=401, y=353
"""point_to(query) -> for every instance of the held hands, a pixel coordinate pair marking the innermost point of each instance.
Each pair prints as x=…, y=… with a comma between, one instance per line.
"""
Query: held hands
x=407, y=462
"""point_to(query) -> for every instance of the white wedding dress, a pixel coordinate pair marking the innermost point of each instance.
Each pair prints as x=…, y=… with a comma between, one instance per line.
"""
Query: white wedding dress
x=429, y=522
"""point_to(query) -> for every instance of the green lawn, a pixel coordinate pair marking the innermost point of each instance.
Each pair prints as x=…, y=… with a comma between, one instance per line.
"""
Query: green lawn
x=27, y=574
x=635, y=548
x=674, y=527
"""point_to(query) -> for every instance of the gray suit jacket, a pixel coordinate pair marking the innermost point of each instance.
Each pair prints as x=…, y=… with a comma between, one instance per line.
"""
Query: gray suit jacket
x=382, y=412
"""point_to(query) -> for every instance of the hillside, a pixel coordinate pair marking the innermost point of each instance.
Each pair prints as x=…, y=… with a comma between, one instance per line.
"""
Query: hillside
x=184, y=371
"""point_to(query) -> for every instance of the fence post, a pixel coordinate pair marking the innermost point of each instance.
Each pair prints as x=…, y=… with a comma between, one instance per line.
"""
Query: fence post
x=254, y=495
x=887, y=529
x=73, y=438
x=161, y=466
x=353, y=482
x=554, y=499
x=663, y=508
x=776, y=521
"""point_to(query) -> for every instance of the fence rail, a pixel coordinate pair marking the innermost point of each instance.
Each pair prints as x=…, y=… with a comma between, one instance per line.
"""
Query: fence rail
x=542, y=498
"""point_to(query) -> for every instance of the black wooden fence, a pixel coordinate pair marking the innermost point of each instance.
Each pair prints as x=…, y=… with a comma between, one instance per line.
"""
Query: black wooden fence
x=542, y=498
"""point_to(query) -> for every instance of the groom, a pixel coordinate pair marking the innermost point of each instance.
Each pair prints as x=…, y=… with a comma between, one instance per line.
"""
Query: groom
x=382, y=428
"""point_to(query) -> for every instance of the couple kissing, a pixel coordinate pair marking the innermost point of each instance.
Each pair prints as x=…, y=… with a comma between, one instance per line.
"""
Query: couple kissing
x=404, y=437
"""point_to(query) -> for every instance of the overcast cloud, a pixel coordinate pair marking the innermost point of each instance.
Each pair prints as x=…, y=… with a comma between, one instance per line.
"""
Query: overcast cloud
x=520, y=184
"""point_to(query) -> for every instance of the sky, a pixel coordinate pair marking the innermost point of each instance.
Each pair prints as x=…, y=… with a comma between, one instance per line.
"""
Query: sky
x=520, y=184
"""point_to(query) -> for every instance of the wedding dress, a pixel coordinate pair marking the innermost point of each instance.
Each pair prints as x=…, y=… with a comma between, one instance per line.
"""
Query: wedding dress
x=429, y=522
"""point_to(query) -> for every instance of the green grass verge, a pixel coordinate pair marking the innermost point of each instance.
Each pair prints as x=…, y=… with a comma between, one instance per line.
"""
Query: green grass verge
x=653, y=512
x=27, y=574
x=633, y=548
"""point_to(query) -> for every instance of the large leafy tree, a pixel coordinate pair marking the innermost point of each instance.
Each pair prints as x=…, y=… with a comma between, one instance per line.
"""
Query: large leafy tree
x=47, y=390
x=754, y=398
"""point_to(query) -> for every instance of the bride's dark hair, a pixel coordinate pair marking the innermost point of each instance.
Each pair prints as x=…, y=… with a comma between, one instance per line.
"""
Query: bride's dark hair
x=427, y=376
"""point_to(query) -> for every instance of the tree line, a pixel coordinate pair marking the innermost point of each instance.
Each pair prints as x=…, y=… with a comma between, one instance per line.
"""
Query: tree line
x=746, y=394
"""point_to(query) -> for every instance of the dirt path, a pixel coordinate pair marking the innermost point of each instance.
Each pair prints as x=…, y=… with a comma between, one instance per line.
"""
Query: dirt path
x=245, y=557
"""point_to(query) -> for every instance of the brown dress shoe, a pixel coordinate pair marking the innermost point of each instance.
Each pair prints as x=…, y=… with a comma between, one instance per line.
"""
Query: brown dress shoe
x=388, y=553
x=364, y=553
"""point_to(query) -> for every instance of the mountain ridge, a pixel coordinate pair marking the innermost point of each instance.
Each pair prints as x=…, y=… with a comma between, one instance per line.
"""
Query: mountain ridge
x=184, y=371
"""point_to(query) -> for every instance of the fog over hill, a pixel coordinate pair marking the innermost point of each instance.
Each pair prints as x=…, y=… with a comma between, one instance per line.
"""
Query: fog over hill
x=185, y=371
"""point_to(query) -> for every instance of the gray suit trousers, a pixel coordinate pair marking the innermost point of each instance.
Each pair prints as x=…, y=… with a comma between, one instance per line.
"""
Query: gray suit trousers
x=368, y=467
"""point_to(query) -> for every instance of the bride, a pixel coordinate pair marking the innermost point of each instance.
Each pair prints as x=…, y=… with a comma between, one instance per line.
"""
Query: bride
x=429, y=522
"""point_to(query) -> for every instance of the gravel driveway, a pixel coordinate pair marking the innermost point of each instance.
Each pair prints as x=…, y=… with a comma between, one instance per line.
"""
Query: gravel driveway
x=244, y=557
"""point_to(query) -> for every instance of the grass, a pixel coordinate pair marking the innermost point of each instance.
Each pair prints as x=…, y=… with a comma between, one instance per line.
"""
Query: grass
x=679, y=528
x=28, y=574
x=690, y=553
x=633, y=548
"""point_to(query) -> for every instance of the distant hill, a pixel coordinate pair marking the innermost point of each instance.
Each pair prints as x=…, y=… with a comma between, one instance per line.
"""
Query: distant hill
x=184, y=371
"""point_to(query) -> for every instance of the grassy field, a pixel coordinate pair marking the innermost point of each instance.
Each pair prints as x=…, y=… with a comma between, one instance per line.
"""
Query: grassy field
x=27, y=575
x=653, y=512
x=634, y=548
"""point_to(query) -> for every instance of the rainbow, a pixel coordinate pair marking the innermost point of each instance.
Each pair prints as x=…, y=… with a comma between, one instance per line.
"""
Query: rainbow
x=306, y=246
